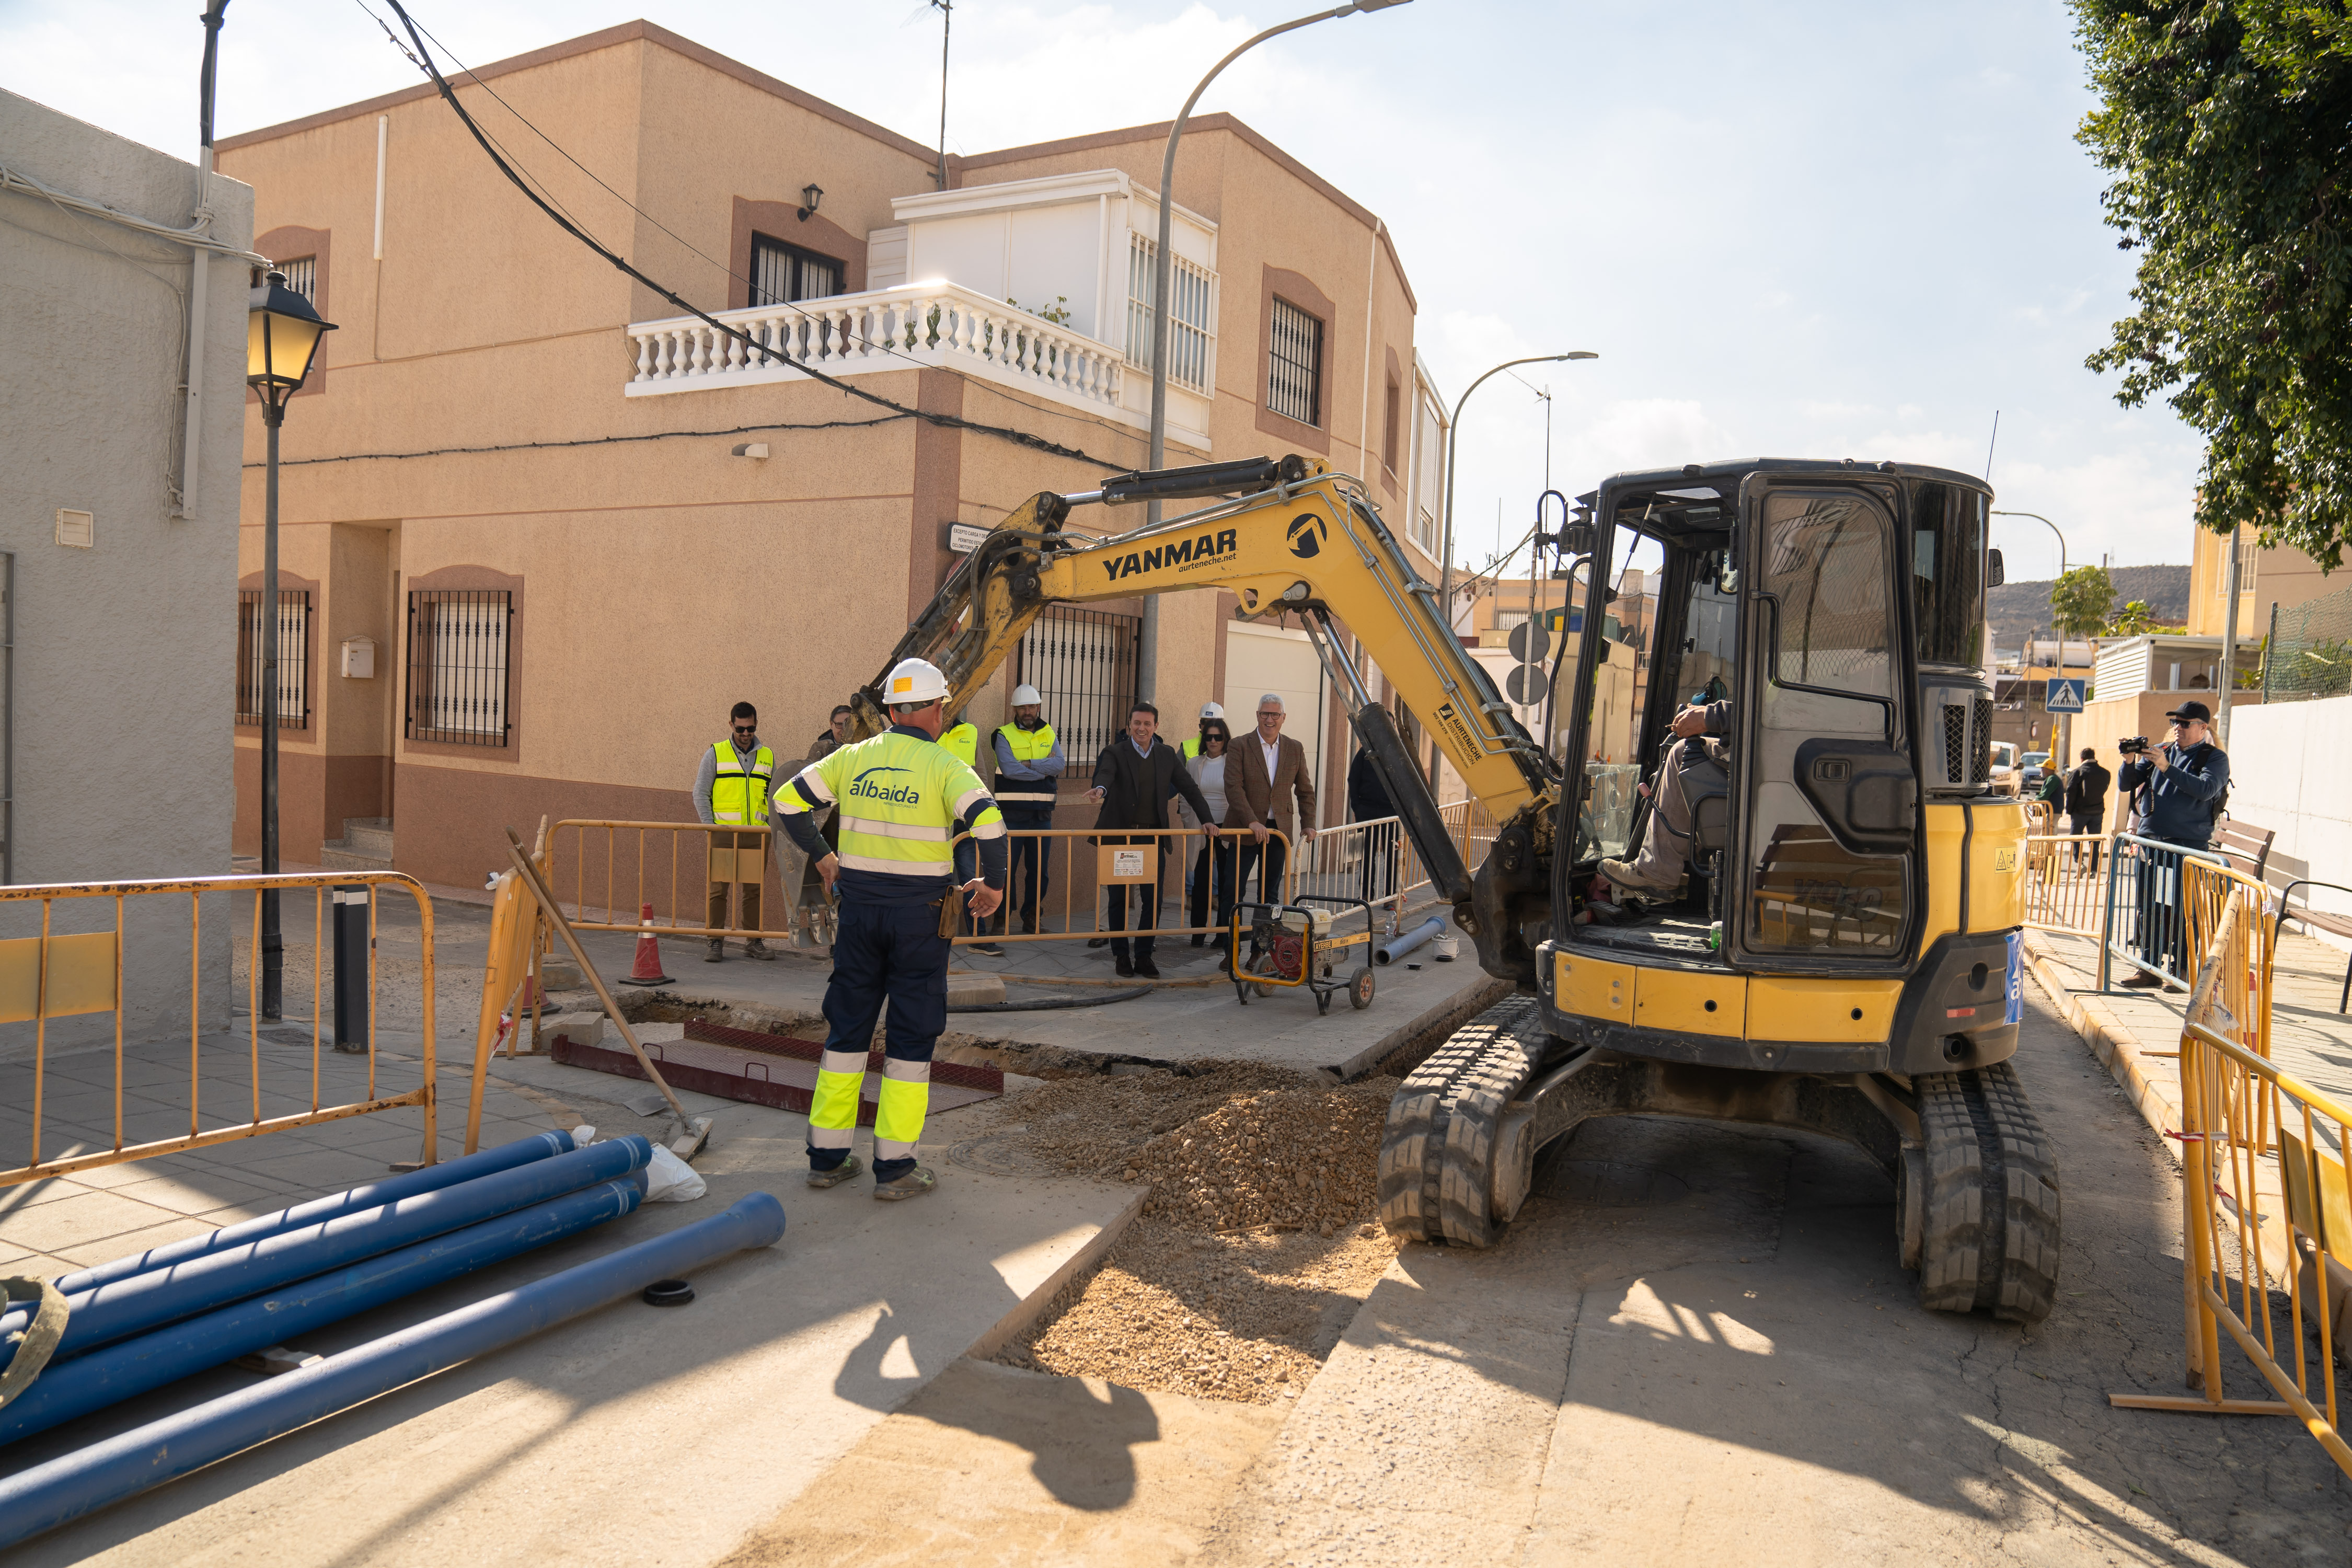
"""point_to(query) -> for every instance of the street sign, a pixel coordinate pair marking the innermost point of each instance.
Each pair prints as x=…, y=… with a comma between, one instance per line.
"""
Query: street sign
x=1525, y=633
x=1525, y=684
x=2063, y=696
x=964, y=538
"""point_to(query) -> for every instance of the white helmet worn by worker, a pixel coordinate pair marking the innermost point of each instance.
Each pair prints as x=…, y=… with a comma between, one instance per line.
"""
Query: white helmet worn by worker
x=1025, y=696
x=1210, y=711
x=912, y=683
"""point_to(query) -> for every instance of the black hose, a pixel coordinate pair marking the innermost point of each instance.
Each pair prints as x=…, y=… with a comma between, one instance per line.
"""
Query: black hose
x=1053, y=1003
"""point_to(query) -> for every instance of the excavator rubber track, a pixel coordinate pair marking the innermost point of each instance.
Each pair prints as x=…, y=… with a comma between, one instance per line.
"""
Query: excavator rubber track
x=1437, y=1154
x=1991, y=1226
x=1977, y=1179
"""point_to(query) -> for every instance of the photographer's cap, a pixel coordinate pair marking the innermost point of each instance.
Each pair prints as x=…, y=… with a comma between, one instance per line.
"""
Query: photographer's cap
x=2197, y=710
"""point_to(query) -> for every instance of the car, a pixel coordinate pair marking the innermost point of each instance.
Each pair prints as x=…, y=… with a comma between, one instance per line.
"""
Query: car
x=2004, y=767
x=2036, y=769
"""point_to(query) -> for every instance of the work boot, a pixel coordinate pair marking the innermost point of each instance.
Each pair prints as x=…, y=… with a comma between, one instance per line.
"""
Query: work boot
x=756, y=947
x=715, y=950
x=838, y=1174
x=913, y=1184
x=1620, y=876
x=1028, y=925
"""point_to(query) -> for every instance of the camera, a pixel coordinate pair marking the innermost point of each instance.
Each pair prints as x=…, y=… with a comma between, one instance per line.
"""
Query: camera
x=2132, y=745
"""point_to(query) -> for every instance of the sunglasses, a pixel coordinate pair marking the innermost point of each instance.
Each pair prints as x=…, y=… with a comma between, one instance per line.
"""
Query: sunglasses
x=747, y=728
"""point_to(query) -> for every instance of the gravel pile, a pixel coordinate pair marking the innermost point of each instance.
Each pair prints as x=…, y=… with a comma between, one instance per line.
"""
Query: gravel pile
x=1257, y=1241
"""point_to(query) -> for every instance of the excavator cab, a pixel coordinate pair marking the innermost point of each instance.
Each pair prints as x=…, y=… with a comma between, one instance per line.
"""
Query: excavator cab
x=1809, y=913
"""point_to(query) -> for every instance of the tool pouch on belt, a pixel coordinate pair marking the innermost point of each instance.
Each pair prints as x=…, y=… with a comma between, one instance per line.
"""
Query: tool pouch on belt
x=952, y=914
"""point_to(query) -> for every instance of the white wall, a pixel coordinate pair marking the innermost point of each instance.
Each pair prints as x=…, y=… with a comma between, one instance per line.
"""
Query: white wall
x=2291, y=770
x=123, y=681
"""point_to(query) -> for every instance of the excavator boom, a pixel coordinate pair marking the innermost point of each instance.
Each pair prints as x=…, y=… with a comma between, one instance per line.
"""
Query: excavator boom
x=1299, y=539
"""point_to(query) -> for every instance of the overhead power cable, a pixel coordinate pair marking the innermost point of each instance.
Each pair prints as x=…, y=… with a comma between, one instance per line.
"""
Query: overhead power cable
x=587, y=441
x=762, y=352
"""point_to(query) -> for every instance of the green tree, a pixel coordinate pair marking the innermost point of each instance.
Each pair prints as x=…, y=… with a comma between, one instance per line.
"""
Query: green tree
x=2227, y=126
x=2135, y=619
x=2080, y=600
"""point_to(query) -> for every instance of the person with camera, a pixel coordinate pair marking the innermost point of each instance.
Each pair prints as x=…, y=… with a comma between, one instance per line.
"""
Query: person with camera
x=2181, y=786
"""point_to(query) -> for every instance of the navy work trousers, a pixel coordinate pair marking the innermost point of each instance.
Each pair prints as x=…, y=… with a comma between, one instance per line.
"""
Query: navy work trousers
x=892, y=953
x=1028, y=896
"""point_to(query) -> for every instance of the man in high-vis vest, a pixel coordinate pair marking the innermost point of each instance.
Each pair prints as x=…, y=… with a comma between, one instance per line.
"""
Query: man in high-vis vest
x=902, y=799
x=732, y=790
x=1028, y=763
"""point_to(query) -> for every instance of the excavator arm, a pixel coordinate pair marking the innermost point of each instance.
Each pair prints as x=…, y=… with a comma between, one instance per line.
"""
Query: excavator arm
x=1297, y=539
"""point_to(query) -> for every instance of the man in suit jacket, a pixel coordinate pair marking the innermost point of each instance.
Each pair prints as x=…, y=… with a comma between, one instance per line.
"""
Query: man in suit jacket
x=1134, y=779
x=1267, y=774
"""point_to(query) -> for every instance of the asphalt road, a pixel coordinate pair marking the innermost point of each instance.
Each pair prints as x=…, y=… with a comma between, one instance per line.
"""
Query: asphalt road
x=1696, y=1345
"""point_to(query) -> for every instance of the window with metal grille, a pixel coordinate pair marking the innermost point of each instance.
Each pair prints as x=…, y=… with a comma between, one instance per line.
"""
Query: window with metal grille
x=1294, y=389
x=1082, y=664
x=303, y=276
x=783, y=274
x=460, y=644
x=293, y=657
x=1191, y=313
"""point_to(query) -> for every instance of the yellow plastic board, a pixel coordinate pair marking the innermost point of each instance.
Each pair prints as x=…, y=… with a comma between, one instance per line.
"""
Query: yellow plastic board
x=81, y=976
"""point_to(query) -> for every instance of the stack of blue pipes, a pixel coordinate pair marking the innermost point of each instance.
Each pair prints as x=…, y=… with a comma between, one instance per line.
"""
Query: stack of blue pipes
x=141, y=1322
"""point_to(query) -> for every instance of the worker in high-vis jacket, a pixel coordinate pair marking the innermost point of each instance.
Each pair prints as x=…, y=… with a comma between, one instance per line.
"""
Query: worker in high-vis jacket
x=903, y=799
x=731, y=790
x=1029, y=763
x=1209, y=711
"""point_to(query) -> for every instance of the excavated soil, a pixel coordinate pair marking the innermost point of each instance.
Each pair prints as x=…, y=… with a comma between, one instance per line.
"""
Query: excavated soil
x=1257, y=1243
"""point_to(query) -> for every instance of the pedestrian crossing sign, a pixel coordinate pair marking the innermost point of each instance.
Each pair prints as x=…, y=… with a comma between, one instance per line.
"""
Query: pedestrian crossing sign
x=2064, y=696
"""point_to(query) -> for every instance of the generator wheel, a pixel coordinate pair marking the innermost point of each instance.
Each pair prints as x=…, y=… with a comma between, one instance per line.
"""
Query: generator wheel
x=1360, y=988
x=1990, y=1238
x=1437, y=1154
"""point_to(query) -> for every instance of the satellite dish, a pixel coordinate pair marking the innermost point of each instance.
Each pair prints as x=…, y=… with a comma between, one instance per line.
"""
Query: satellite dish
x=1525, y=634
x=1526, y=684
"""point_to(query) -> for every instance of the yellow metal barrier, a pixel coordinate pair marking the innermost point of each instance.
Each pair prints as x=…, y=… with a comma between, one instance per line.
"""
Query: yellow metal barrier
x=2263, y=1186
x=55, y=975
x=1122, y=858
x=2066, y=881
x=671, y=867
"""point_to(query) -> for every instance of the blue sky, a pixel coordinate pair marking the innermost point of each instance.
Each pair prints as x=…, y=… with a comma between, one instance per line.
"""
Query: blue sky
x=1830, y=230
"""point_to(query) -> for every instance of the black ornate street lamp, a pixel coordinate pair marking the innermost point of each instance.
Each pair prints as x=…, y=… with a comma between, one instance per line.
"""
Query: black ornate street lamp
x=281, y=341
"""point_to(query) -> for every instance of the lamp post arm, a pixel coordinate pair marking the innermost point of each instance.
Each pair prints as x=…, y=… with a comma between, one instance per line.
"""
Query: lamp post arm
x=1162, y=264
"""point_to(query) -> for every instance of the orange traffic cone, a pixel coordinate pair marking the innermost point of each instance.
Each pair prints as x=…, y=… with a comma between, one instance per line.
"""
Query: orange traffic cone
x=647, y=969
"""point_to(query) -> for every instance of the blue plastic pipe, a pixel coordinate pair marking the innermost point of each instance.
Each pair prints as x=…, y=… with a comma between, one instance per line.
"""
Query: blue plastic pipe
x=432, y=1178
x=72, y=1485
x=144, y=1302
x=210, y=1339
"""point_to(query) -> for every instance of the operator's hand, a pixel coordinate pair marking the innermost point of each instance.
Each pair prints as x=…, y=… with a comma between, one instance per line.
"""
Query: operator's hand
x=1257, y=830
x=829, y=867
x=982, y=899
x=1691, y=721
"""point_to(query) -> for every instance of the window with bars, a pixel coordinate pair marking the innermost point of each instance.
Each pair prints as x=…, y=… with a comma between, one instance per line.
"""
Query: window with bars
x=460, y=644
x=1191, y=313
x=1083, y=663
x=303, y=276
x=293, y=657
x=1295, y=387
x=784, y=274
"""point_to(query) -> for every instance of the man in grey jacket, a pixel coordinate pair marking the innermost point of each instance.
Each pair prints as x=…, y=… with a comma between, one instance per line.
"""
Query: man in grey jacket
x=1665, y=848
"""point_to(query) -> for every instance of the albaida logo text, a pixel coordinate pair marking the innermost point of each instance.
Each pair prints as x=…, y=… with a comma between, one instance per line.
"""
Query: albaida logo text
x=871, y=786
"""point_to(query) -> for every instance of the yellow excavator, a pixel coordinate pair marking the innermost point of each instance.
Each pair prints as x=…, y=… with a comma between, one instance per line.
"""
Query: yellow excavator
x=1840, y=954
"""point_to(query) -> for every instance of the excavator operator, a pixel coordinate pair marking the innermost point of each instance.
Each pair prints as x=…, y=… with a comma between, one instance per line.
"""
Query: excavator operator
x=1700, y=756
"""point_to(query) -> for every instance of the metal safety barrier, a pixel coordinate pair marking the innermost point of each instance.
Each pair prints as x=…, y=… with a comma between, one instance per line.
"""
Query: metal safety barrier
x=2146, y=920
x=2066, y=881
x=2264, y=1190
x=616, y=869
x=59, y=973
x=1120, y=859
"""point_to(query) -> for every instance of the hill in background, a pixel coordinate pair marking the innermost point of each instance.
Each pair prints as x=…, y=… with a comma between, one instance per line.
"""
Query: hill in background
x=2016, y=609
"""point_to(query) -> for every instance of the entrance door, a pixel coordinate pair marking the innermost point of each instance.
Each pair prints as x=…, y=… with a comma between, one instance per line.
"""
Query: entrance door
x=1827, y=856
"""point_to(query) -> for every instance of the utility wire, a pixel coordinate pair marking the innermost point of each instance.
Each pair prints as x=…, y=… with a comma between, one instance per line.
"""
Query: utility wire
x=587, y=441
x=762, y=352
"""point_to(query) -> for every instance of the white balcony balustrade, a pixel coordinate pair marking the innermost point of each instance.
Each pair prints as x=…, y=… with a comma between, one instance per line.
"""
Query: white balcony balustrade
x=915, y=324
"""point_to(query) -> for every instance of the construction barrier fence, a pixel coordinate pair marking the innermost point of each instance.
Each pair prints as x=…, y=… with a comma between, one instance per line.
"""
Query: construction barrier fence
x=2066, y=881
x=2265, y=1191
x=2145, y=921
x=88, y=1093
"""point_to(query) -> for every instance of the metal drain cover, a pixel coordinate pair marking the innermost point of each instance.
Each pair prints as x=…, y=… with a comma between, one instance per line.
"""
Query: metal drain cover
x=998, y=1153
x=1612, y=1183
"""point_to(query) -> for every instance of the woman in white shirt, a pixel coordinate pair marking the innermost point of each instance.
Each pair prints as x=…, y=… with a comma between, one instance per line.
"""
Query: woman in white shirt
x=1216, y=856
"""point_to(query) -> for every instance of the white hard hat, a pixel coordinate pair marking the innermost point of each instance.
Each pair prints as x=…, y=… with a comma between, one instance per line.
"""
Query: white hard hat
x=912, y=683
x=1210, y=711
x=1025, y=696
